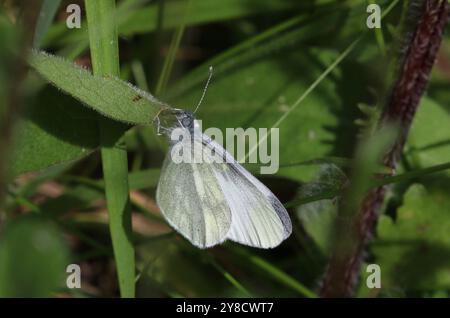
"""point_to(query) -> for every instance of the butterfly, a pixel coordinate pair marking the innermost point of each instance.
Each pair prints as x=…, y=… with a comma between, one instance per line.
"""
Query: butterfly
x=209, y=201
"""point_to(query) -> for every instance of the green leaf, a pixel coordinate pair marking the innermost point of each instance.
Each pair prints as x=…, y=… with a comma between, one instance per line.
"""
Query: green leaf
x=54, y=129
x=10, y=37
x=429, y=139
x=33, y=259
x=413, y=250
x=207, y=11
x=107, y=95
x=318, y=217
x=135, y=19
x=259, y=92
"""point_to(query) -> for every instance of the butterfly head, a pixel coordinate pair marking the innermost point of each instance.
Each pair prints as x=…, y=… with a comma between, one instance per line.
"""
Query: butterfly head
x=186, y=120
x=169, y=119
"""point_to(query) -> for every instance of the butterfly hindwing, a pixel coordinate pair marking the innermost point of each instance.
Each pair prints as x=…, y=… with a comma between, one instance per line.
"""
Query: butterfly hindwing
x=258, y=217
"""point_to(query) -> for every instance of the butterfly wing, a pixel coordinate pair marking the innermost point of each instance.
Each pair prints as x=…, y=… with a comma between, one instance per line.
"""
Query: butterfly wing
x=258, y=217
x=191, y=199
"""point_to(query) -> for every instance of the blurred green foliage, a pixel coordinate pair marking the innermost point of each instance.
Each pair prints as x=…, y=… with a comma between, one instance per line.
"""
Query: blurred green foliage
x=33, y=258
x=414, y=249
x=265, y=55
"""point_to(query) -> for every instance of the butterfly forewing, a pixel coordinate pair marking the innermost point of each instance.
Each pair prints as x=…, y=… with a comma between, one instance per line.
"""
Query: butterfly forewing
x=191, y=199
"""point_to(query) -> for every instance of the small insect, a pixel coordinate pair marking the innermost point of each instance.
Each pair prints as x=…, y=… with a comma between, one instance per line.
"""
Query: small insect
x=209, y=202
x=136, y=98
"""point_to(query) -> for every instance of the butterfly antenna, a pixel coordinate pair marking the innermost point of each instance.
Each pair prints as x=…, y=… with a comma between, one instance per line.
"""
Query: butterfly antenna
x=205, y=89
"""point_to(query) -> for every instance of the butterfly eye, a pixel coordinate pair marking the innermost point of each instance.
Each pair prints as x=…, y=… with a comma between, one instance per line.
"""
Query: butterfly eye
x=186, y=122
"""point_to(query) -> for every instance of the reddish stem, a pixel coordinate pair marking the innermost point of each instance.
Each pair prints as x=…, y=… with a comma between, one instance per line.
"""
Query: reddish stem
x=345, y=265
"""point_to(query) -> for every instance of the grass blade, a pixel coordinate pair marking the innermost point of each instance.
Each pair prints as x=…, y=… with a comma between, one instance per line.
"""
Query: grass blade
x=105, y=61
x=168, y=62
x=46, y=16
x=275, y=273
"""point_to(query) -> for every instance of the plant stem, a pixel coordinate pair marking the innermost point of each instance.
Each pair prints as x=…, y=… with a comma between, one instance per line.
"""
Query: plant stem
x=13, y=72
x=105, y=61
x=421, y=49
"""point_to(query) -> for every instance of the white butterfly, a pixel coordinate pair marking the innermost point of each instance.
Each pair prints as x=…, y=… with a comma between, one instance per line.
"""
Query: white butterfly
x=209, y=202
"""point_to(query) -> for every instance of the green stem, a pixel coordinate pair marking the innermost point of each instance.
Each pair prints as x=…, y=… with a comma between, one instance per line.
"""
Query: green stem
x=105, y=61
x=230, y=278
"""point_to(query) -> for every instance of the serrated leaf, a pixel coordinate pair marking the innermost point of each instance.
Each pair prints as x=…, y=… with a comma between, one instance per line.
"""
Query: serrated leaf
x=367, y=109
x=257, y=93
x=330, y=178
x=253, y=86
